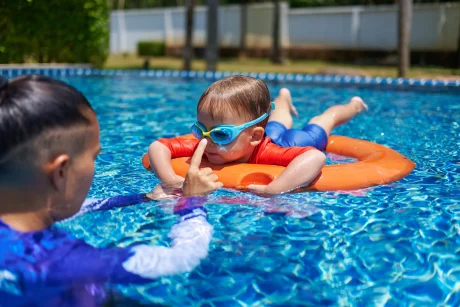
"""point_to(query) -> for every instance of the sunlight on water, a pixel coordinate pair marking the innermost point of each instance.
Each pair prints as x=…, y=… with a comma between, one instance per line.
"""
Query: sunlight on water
x=385, y=246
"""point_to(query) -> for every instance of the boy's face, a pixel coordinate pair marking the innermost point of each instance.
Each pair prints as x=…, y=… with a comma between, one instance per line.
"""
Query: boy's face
x=76, y=177
x=240, y=149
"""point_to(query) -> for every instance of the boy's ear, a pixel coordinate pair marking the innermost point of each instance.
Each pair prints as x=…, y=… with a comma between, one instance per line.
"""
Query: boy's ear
x=257, y=136
x=58, y=171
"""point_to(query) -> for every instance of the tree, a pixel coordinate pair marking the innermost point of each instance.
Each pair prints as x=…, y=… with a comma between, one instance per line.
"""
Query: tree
x=188, y=48
x=212, y=48
x=404, y=28
x=277, y=53
x=71, y=31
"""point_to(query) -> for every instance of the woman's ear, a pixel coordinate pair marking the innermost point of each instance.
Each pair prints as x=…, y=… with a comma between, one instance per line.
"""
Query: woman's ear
x=58, y=171
x=257, y=136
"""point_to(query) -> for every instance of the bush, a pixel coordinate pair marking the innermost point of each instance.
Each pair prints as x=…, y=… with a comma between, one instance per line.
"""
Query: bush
x=71, y=31
x=149, y=49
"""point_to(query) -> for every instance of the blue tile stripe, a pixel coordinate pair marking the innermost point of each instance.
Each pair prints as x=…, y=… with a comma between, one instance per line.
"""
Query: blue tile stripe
x=299, y=78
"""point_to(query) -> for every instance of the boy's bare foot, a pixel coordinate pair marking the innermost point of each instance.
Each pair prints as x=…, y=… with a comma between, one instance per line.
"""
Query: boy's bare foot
x=286, y=94
x=358, y=104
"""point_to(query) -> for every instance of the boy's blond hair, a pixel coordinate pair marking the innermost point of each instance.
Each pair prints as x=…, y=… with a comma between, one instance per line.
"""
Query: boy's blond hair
x=243, y=96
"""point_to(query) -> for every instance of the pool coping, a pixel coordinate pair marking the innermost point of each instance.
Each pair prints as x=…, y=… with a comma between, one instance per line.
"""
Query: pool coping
x=298, y=78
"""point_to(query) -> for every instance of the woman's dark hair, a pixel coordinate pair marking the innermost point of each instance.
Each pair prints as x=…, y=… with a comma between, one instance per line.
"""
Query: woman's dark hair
x=32, y=104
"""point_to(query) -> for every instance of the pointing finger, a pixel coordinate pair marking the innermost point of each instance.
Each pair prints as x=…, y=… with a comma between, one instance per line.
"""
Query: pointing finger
x=198, y=155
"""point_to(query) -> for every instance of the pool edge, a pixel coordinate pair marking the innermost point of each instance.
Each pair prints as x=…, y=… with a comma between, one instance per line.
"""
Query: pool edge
x=297, y=78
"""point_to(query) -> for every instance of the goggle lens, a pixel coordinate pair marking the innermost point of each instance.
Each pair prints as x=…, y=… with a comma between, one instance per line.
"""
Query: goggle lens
x=221, y=137
x=197, y=132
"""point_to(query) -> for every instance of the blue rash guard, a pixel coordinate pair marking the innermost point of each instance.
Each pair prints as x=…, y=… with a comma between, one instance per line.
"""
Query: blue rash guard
x=53, y=268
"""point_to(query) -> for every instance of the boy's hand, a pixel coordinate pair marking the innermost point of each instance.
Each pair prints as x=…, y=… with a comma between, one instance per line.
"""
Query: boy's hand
x=163, y=191
x=200, y=182
x=262, y=189
x=257, y=188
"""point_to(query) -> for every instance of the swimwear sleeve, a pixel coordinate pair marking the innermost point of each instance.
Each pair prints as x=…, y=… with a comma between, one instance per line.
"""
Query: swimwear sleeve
x=94, y=204
x=273, y=154
x=139, y=264
x=180, y=147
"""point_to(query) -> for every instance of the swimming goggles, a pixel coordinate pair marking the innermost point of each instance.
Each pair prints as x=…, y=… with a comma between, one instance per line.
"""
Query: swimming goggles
x=225, y=134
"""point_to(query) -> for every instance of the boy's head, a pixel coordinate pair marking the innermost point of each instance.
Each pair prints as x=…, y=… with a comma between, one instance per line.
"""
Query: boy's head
x=49, y=139
x=234, y=100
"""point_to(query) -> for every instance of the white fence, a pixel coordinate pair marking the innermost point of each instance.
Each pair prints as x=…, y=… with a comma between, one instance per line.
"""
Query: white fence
x=435, y=27
x=130, y=26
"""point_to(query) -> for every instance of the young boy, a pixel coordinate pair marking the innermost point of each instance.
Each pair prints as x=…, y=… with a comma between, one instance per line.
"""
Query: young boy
x=233, y=113
x=49, y=140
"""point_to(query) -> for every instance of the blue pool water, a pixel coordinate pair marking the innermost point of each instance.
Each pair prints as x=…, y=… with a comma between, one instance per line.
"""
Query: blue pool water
x=390, y=245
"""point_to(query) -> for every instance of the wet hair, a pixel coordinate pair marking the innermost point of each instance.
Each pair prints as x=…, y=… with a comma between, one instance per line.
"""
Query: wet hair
x=241, y=95
x=37, y=114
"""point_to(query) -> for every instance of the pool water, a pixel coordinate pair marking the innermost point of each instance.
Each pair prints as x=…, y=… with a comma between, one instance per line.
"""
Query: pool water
x=391, y=245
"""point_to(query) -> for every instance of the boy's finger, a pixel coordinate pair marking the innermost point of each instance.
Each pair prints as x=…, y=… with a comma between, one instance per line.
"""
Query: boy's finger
x=198, y=155
x=366, y=107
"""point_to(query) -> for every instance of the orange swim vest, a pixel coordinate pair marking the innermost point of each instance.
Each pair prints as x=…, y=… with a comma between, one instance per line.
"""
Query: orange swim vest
x=377, y=165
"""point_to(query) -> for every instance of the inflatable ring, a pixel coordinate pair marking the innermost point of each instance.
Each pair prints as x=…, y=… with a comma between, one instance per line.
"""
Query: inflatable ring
x=376, y=165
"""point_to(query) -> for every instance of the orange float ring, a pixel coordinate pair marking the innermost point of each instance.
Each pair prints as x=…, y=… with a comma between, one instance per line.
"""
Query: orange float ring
x=376, y=165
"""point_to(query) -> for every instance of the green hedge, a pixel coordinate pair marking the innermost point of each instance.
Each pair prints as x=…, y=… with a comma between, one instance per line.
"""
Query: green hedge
x=148, y=49
x=70, y=31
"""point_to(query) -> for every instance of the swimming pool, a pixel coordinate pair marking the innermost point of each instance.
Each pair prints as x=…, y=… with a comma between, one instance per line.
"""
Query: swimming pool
x=385, y=246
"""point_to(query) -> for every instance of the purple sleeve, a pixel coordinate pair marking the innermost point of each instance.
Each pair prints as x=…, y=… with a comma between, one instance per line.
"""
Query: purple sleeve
x=80, y=262
x=63, y=258
x=94, y=204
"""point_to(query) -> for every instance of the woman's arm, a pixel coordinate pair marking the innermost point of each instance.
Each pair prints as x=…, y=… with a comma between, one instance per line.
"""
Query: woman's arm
x=77, y=261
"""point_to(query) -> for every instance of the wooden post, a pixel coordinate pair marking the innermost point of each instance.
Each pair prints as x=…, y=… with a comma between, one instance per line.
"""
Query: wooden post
x=243, y=28
x=404, y=29
x=458, y=46
x=277, y=56
x=212, y=48
x=187, y=53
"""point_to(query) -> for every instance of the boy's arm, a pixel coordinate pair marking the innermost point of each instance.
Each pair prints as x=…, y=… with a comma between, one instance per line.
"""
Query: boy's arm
x=300, y=172
x=160, y=162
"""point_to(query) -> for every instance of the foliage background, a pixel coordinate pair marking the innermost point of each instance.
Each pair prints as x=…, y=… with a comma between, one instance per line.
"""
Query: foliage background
x=77, y=31
x=68, y=31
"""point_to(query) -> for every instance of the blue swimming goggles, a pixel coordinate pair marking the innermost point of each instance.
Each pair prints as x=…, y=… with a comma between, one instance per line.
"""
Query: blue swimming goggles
x=225, y=134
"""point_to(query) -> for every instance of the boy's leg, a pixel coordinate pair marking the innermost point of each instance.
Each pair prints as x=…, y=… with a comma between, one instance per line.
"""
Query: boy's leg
x=316, y=132
x=284, y=109
x=339, y=114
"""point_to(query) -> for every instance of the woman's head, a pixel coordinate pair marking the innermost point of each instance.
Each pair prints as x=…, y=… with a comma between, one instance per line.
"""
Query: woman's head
x=49, y=138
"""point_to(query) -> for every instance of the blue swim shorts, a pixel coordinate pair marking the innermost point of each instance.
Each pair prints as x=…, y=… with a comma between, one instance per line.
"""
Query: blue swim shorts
x=311, y=135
